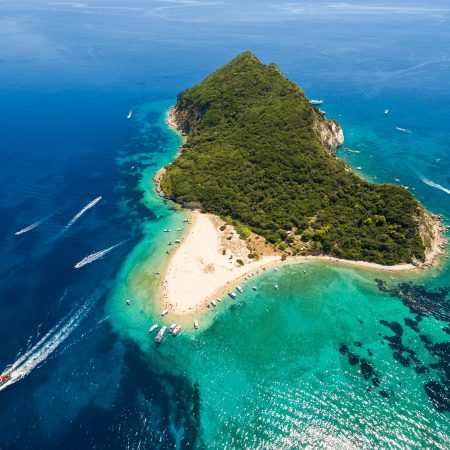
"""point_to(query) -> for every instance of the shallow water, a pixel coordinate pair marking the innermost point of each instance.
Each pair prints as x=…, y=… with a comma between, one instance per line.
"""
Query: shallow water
x=332, y=359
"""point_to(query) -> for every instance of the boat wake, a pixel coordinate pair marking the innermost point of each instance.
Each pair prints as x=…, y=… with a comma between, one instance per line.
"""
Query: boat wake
x=79, y=214
x=435, y=185
x=38, y=353
x=31, y=227
x=96, y=255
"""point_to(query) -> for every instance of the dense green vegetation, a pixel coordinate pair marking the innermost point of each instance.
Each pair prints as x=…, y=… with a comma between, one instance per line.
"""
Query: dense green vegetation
x=253, y=154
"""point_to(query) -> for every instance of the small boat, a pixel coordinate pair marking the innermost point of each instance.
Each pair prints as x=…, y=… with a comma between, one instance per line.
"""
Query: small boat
x=359, y=168
x=218, y=300
x=239, y=289
x=128, y=302
x=185, y=220
x=322, y=111
x=4, y=378
x=386, y=111
x=213, y=302
x=196, y=324
x=276, y=269
x=160, y=334
x=232, y=294
x=164, y=312
x=404, y=130
x=177, y=241
x=153, y=328
x=158, y=273
x=169, y=243
x=276, y=286
x=167, y=230
x=178, y=229
x=172, y=327
x=254, y=288
x=315, y=102
x=130, y=114
x=176, y=330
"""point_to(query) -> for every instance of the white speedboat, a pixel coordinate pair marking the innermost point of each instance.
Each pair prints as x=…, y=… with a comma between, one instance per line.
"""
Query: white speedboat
x=386, y=111
x=213, y=302
x=238, y=288
x=160, y=334
x=176, y=330
x=164, y=312
x=153, y=328
x=196, y=324
x=316, y=102
x=130, y=114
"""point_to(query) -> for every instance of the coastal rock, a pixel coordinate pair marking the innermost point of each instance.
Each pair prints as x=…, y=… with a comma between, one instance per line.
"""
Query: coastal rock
x=329, y=132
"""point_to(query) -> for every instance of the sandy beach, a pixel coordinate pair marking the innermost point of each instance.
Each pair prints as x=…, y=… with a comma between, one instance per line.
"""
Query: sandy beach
x=212, y=259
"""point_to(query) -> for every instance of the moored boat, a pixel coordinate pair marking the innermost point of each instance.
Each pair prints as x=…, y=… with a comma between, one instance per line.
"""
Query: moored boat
x=160, y=334
x=176, y=330
x=238, y=288
x=315, y=102
x=232, y=294
x=196, y=324
x=164, y=312
x=153, y=328
x=213, y=302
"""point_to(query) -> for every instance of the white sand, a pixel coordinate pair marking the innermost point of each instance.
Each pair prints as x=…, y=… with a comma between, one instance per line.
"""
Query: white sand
x=198, y=271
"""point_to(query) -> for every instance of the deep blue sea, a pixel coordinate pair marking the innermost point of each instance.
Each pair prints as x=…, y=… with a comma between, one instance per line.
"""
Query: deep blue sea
x=85, y=373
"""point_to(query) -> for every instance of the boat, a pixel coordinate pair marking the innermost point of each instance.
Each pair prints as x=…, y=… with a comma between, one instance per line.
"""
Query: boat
x=177, y=241
x=128, y=302
x=153, y=328
x=213, y=302
x=254, y=288
x=164, y=312
x=276, y=286
x=386, y=111
x=232, y=294
x=176, y=330
x=315, y=102
x=359, y=168
x=172, y=327
x=218, y=300
x=5, y=378
x=130, y=114
x=196, y=324
x=160, y=334
x=322, y=111
x=238, y=288
x=167, y=230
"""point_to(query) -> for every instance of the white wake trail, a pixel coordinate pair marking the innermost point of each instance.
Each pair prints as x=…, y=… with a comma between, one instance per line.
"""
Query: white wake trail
x=435, y=185
x=32, y=226
x=96, y=255
x=46, y=345
x=79, y=214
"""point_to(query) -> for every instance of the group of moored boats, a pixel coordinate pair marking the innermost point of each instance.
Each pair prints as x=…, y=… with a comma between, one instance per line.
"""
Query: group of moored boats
x=174, y=330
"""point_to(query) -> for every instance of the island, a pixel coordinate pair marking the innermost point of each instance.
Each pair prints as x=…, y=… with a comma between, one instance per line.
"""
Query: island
x=259, y=175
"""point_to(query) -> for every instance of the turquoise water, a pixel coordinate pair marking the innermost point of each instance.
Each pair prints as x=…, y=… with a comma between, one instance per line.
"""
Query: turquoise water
x=270, y=370
x=334, y=358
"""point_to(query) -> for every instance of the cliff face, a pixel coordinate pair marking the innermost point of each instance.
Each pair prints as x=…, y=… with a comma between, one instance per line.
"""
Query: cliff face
x=258, y=152
x=330, y=133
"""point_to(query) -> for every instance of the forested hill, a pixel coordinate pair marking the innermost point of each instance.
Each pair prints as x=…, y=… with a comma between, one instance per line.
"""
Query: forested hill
x=258, y=153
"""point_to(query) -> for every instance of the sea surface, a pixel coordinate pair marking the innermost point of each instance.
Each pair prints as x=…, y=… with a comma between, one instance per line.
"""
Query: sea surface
x=335, y=358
